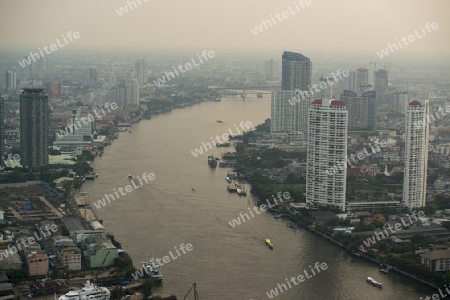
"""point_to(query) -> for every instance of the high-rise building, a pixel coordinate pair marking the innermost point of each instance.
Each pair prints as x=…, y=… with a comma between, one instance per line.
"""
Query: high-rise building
x=49, y=69
x=327, y=92
x=270, y=69
x=381, y=82
x=34, y=128
x=326, y=174
x=141, y=71
x=289, y=111
x=416, y=154
x=362, y=81
x=349, y=83
x=92, y=77
x=358, y=110
x=2, y=130
x=132, y=92
x=296, y=72
x=10, y=80
x=372, y=109
x=400, y=102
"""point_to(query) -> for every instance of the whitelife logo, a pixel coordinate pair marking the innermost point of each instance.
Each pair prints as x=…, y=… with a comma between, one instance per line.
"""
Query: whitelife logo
x=128, y=189
x=197, y=151
x=90, y=118
x=280, y=17
x=411, y=38
x=165, y=260
x=27, y=61
x=124, y=9
x=187, y=66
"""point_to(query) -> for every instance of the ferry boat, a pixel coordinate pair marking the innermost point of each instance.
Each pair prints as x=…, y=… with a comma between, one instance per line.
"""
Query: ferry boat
x=269, y=243
x=373, y=282
x=152, y=270
x=89, y=292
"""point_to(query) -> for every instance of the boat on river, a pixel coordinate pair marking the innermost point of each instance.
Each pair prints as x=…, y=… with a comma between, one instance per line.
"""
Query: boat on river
x=212, y=161
x=373, y=282
x=269, y=243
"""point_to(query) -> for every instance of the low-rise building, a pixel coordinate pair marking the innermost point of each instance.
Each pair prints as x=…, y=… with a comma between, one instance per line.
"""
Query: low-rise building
x=101, y=253
x=437, y=260
x=37, y=264
x=68, y=253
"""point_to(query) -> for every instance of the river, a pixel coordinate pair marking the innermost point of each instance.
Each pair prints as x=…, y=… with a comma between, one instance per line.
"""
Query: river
x=226, y=263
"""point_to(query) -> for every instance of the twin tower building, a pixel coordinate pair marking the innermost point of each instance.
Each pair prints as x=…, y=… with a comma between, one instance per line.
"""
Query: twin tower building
x=307, y=112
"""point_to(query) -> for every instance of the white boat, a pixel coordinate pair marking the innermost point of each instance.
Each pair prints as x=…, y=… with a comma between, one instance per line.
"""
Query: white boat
x=152, y=270
x=373, y=282
x=89, y=292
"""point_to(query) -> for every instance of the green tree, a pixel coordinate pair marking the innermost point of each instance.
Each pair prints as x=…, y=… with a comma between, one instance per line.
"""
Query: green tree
x=147, y=289
x=117, y=293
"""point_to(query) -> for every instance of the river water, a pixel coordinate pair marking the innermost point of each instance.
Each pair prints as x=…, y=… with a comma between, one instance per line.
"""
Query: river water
x=226, y=263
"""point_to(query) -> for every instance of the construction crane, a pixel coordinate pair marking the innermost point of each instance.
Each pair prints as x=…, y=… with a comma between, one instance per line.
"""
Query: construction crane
x=195, y=292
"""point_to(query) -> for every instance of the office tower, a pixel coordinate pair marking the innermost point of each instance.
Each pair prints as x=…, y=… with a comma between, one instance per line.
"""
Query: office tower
x=2, y=131
x=372, y=109
x=131, y=74
x=289, y=111
x=327, y=150
x=349, y=83
x=30, y=69
x=327, y=92
x=49, y=69
x=141, y=71
x=400, y=102
x=34, y=126
x=92, y=77
x=358, y=110
x=270, y=69
x=381, y=82
x=416, y=154
x=362, y=81
x=296, y=72
x=132, y=92
x=10, y=80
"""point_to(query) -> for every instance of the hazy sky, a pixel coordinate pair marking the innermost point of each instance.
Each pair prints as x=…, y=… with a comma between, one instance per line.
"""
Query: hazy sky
x=335, y=25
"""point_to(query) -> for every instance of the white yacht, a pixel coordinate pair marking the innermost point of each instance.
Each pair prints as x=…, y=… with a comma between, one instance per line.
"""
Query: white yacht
x=89, y=292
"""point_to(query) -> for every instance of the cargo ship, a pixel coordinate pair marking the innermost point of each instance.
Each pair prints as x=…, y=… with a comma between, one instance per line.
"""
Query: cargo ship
x=212, y=161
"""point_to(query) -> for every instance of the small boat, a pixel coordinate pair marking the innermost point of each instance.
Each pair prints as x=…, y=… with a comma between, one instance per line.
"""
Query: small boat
x=130, y=176
x=241, y=191
x=373, y=282
x=212, y=161
x=152, y=270
x=223, y=145
x=231, y=189
x=269, y=243
x=219, y=121
x=228, y=179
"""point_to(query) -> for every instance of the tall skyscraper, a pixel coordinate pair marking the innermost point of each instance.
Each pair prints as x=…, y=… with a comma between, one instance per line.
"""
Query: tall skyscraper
x=296, y=72
x=327, y=150
x=10, y=80
x=2, y=130
x=34, y=126
x=289, y=111
x=381, y=82
x=372, y=109
x=132, y=90
x=141, y=71
x=416, y=154
x=358, y=110
x=92, y=77
x=362, y=81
